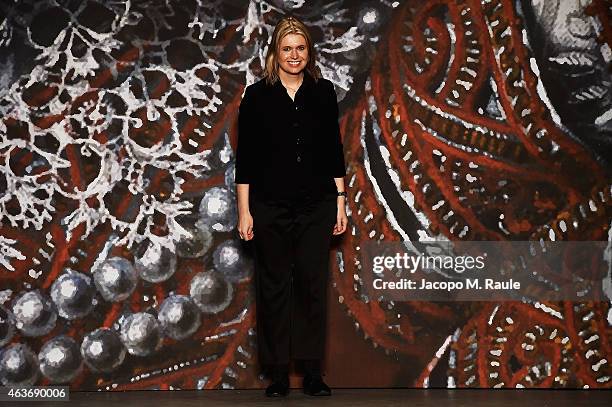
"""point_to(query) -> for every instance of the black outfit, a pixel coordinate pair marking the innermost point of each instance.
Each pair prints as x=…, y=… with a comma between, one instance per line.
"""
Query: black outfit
x=289, y=149
x=289, y=152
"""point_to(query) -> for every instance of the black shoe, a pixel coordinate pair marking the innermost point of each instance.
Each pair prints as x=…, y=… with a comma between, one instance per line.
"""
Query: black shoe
x=315, y=386
x=279, y=387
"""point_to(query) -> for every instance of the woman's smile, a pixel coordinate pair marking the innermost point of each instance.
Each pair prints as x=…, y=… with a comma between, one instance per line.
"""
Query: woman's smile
x=293, y=54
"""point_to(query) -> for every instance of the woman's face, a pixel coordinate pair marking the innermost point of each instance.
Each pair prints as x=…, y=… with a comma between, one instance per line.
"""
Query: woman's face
x=293, y=53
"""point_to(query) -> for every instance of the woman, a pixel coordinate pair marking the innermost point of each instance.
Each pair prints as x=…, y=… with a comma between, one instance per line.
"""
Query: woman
x=291, y=199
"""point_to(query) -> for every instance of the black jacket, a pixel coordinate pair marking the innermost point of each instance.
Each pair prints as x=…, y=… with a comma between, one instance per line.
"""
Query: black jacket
x=286, y=148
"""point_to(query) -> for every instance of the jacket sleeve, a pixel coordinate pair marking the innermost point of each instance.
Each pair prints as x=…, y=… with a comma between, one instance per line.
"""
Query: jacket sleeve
x=245, y=154
x=336, y=165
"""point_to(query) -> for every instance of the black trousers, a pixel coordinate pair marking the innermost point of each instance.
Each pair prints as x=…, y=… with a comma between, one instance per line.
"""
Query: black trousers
x=292, y=243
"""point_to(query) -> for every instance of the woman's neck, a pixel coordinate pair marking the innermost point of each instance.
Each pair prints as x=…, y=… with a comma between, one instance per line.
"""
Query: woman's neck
x=290, y=80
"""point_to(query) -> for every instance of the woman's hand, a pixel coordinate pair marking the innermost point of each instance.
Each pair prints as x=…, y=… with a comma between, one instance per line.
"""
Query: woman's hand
x=245, y=226
x=341, y=219
x=245, y=220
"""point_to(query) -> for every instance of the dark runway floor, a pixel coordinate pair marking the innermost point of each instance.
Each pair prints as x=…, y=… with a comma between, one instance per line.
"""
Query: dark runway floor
x=345, y=397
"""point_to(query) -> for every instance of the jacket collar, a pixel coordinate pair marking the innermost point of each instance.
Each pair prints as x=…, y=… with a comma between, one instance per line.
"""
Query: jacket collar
x=307, y=83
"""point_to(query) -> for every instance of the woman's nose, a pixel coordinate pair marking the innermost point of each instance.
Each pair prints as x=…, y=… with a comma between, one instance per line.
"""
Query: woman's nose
x=294, y=53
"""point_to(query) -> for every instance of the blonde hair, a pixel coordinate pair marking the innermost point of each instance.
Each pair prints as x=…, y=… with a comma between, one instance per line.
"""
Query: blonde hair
x=289, y=25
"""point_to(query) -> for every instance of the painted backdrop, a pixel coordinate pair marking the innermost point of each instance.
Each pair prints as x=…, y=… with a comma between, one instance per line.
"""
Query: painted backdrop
x=120, y=266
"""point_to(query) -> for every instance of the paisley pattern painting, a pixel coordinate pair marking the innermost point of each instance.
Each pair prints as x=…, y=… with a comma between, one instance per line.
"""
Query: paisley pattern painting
x=120, y=265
